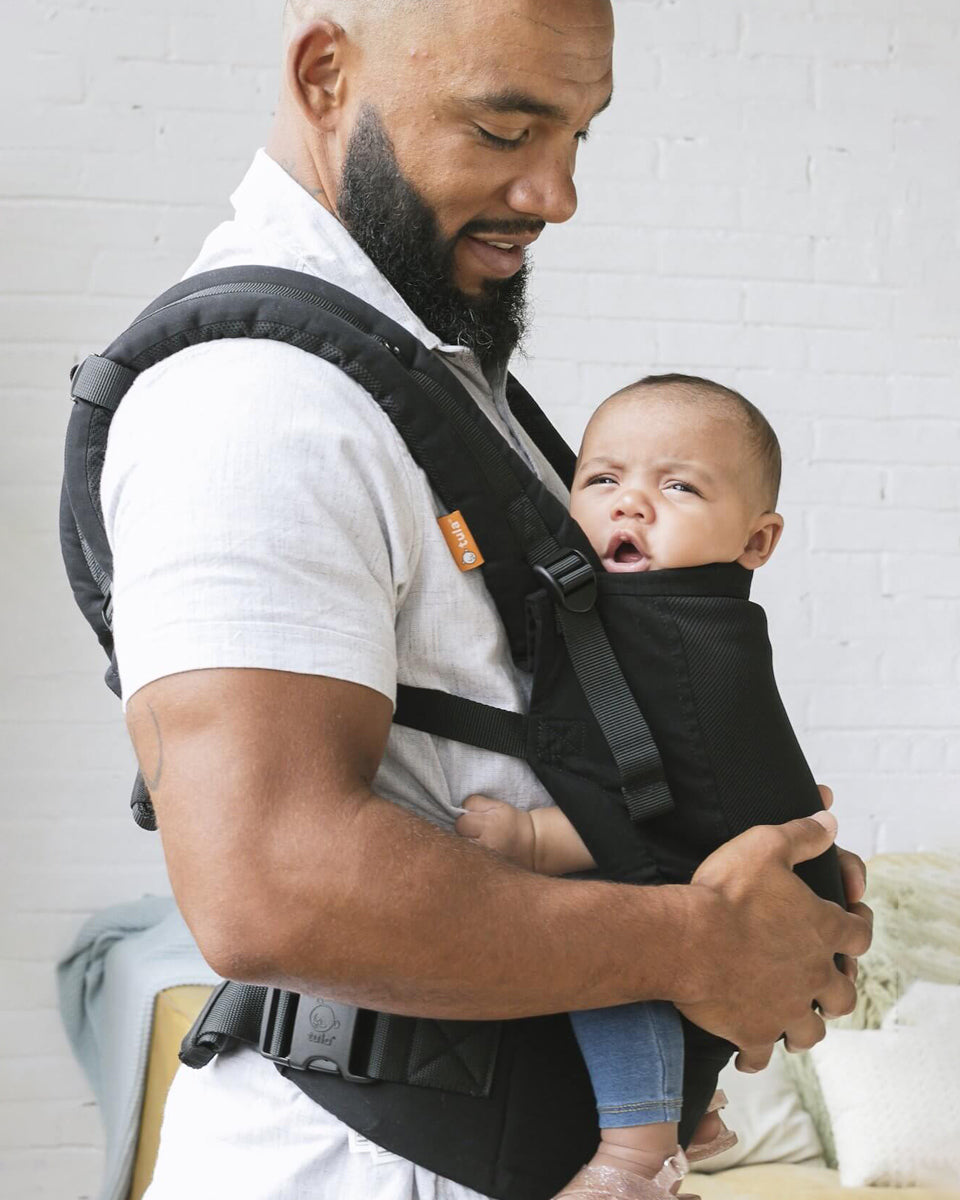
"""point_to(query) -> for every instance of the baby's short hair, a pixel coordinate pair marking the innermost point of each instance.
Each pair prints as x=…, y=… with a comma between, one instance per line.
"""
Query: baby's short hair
x=759, y=432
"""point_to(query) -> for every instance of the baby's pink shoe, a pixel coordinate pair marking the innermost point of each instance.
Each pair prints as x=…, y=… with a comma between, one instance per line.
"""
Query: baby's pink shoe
x=698, y=1151
x=614, y=1183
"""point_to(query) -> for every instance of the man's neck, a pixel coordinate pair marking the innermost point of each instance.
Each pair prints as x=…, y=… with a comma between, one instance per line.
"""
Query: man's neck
x=293, y=157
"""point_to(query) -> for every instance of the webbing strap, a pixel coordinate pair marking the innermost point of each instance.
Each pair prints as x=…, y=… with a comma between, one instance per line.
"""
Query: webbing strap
x=233, y=1012
x=462, y=720
x=101, y=381
x=454, y=1056
x=623, y=725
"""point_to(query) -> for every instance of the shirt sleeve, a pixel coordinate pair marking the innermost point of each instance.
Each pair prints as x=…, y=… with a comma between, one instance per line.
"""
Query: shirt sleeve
x=262, y=512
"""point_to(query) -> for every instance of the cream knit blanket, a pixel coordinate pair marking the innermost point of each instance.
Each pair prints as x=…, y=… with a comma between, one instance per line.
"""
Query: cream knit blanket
x=916, y=903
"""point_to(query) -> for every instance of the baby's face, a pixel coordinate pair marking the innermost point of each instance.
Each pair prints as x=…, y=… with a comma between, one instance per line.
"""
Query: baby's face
x=664, y=484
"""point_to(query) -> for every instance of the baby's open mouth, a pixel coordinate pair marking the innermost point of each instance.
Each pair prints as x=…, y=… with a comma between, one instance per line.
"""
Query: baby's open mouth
x=624, y=554
x=627, y=552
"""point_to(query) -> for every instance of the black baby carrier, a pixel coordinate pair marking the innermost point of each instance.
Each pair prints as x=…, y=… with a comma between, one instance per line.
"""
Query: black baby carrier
x=654, y=722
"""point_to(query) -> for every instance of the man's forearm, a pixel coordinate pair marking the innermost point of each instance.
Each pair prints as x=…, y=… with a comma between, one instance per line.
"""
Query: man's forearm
x=387, y=911
x=290, y=871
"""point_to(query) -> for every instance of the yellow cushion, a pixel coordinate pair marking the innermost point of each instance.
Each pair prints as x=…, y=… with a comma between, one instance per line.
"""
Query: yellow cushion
x=174, y=1012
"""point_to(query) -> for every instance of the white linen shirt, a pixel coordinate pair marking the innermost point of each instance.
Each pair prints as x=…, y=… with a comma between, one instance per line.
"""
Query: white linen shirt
x=263, y=512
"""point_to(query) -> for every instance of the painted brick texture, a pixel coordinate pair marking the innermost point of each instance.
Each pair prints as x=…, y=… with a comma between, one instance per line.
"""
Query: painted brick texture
x=772, y=201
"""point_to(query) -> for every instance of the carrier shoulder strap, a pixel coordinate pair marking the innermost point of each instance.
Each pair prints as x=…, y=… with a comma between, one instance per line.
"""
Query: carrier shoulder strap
x=531, y=540
x=380, y=355
x=541, y=432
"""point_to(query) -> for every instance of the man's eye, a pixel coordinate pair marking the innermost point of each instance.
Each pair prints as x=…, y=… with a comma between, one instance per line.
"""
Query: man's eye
x=500, y=143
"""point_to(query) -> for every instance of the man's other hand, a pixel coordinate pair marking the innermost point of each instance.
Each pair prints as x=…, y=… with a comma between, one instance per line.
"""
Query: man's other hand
x=774, y=967
x=854, y=874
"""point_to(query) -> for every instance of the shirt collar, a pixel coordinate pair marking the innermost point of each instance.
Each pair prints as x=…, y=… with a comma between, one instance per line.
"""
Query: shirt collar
x=278, y=207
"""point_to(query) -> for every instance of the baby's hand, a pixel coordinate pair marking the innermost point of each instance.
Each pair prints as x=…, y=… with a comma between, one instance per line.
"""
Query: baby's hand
x=500, y=827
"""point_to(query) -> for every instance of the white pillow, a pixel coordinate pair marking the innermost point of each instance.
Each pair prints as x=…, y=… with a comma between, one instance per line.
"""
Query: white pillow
x=766, y=1114
x=894, y=1101
x=926, y=1004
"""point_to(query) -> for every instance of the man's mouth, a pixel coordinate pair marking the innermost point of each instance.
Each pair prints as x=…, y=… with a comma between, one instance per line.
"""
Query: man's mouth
x=500, y=256
x=625, y=553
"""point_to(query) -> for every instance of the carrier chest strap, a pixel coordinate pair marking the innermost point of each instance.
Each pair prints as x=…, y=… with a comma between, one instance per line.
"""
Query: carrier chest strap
x=316, y=1033
x=461, y=720
x=645, y=792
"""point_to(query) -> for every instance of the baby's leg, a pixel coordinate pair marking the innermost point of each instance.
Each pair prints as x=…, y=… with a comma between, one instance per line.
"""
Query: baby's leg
x=634, y=1054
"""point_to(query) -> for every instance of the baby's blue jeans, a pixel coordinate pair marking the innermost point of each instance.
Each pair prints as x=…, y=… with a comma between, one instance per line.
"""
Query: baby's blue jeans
x=634, y=1053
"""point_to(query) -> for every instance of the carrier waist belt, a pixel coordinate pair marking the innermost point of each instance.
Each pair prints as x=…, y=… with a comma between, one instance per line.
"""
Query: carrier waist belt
x=317, y=1033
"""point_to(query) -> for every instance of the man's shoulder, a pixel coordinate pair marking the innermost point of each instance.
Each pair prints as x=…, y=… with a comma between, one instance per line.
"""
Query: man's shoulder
x=266, y=416
x=244, y=381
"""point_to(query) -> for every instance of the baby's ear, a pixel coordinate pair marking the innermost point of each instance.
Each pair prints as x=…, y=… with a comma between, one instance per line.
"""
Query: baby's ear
x=762, y=541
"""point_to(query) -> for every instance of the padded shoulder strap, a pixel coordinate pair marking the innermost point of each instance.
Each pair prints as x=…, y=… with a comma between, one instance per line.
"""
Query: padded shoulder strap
x=462, y=454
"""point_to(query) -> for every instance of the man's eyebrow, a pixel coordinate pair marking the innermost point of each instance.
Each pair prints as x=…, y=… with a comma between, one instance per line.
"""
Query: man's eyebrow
x=511, y=101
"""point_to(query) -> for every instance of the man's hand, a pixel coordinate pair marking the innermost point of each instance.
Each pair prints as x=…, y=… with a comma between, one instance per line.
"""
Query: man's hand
x=762, y=982
x=854, y=874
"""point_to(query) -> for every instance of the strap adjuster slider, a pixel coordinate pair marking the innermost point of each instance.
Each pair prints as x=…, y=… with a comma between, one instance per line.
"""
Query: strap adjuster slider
x=571, y=580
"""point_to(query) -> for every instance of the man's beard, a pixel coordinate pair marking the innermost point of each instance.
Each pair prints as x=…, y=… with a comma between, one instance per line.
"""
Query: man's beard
x=397, y=230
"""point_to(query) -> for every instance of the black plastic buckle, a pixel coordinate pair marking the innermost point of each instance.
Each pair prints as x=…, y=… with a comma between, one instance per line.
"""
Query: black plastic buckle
x=309, y=1033
x=571, y=580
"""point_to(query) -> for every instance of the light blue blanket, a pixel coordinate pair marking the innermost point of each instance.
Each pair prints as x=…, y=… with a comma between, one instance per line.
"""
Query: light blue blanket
x=108, y=980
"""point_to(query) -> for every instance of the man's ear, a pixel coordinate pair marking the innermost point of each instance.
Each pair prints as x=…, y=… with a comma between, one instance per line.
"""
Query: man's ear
x=315, y=72
x=762, y=542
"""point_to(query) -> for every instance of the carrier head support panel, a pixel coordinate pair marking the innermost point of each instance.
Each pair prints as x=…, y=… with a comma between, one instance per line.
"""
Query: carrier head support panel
x=654, y=722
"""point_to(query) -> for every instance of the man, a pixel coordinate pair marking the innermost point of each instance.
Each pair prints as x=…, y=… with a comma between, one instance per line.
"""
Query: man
x=278, y=568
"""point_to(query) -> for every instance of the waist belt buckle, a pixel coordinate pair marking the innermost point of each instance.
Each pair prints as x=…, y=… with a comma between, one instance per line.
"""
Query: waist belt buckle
x=312, y=1034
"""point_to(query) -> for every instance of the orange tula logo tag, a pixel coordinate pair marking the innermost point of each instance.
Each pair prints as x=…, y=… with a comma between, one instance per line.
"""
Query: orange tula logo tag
x=458, y=537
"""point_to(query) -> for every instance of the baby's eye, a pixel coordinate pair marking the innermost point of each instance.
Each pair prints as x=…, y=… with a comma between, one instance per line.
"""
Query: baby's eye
x=601, y=479
x=678, y=485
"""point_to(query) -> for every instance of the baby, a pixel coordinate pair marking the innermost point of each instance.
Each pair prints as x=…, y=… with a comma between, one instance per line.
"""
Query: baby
x=674, y=471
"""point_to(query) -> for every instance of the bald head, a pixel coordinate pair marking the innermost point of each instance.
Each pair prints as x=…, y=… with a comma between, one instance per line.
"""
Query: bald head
x=349, y=14
x=449, y=122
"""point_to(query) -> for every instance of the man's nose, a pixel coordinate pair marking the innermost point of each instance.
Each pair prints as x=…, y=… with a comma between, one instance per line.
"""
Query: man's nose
x=545, y=190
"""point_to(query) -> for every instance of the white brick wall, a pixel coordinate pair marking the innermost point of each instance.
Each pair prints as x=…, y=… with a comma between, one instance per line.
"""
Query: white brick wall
x=772, y=201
